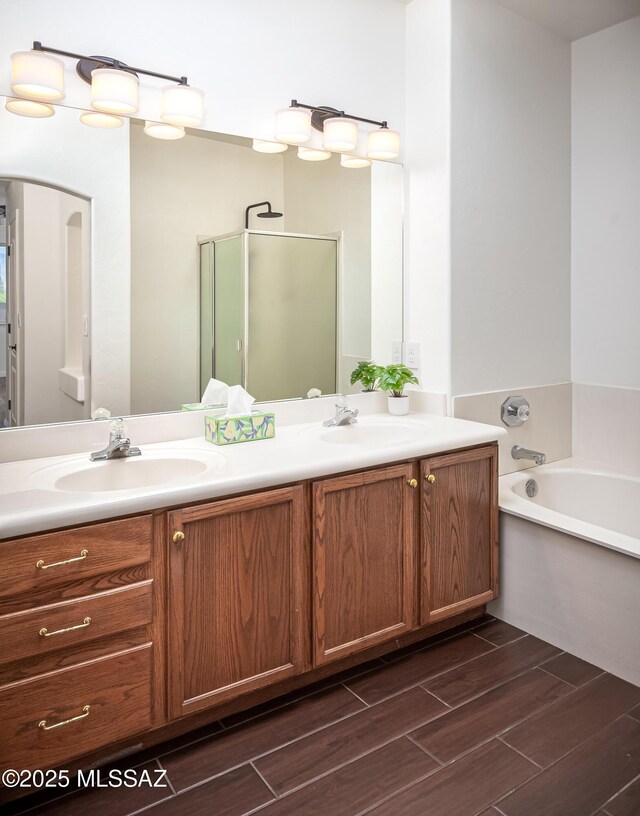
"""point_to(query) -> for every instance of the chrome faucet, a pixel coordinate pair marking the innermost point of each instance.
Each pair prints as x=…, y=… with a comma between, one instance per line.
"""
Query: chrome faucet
x=119, y=446
x=523, y=453
x=344, y=414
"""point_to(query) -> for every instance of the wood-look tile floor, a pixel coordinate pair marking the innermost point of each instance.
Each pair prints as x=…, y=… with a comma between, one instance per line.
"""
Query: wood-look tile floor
x=488, y=722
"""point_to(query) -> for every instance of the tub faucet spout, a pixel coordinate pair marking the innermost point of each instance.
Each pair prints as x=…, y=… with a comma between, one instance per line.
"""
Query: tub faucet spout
x=523, y=453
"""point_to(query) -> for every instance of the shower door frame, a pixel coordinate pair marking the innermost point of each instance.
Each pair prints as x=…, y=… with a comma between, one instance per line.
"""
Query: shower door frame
x=336, y=237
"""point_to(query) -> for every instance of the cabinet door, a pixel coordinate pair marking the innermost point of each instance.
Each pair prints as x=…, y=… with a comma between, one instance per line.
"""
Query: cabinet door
x=237, y=597
x=459, y=550
x=363, y=560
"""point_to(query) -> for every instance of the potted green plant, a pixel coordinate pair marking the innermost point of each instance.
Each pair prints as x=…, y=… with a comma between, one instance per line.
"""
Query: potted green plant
x=393, y=380
x=367, y=373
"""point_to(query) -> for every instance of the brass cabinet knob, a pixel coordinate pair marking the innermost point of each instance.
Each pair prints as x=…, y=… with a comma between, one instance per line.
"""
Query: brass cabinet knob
x=178, y=536
x=431, y=478
x=412, y=482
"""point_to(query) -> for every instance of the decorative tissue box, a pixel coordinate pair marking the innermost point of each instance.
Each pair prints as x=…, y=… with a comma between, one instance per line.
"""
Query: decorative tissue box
x=231, y=430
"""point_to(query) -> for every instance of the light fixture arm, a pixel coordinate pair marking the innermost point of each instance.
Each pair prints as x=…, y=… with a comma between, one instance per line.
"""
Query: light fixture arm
x=326, y=112
x=109, y=61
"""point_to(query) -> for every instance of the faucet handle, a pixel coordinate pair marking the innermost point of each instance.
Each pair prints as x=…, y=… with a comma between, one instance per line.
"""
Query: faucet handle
x=118, y=428
x=341, y=402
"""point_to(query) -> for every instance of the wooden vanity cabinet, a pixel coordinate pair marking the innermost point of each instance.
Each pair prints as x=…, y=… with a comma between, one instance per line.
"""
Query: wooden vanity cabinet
x=364, y=548
x=237, y=595
x=459, y=532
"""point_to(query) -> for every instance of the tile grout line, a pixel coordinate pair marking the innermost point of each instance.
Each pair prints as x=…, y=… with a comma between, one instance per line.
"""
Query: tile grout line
x=357, y=696
x=617, y=793
x=524, y=756
x=425, y=750
x=159, y=764
x=547, y=768
x=275, y=795
x=501, y=645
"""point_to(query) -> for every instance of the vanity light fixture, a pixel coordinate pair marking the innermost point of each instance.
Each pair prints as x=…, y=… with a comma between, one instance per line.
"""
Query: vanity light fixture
x=340, y=132
x=161, y=130
x=38, y=75
x=311, y=154
x=293, y=124
x=96, y=119
x=35, y=75
x=29, y=107
x=264, y=146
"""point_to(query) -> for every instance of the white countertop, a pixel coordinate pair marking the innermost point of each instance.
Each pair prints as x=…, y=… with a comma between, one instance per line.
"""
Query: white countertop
x=30, y=501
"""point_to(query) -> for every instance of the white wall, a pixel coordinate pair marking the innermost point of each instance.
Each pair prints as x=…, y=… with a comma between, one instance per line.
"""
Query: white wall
x=428, y=194
x=606, y=207
x=510, y=200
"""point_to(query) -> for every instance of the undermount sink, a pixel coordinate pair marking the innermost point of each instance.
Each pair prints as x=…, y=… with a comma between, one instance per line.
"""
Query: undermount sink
x=367, y=433
x=151, y=469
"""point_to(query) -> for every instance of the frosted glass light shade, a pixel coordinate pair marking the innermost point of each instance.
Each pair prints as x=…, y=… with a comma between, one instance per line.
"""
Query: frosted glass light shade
x=101, y=120
x=263, y=146
x=114, y=91
x=310, y=154
x=354, y=161
x=340, y=134
x=182, y=105
x=36, y=75
x=29, y=107
x=293, y=125
x=160, y=130
x=383, y=144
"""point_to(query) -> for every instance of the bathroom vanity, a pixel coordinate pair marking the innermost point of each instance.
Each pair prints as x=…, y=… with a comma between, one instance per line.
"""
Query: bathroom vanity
x=121, y=633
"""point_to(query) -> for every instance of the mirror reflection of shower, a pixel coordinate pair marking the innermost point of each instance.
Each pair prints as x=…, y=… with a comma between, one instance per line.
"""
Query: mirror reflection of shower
x=268, y=214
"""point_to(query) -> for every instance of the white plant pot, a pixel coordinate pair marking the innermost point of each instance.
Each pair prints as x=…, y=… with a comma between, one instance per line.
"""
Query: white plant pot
x=398, y=406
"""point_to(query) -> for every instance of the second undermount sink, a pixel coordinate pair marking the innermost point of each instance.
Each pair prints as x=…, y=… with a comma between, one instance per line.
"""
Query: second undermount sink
x=366, y=432
x=151, y=470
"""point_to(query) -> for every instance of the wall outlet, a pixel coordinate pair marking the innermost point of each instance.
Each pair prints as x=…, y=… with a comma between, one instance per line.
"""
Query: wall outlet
x=412, y=355
x=396, y=352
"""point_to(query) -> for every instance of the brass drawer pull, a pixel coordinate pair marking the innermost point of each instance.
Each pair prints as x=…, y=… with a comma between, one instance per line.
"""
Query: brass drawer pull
x=177, y=537
x=41, y=565
x=431, y=478
x=44, y=727
x=412, y=482
x=46, y=633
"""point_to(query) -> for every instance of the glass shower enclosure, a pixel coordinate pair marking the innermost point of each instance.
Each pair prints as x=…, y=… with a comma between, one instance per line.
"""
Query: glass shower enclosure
x=269, y=313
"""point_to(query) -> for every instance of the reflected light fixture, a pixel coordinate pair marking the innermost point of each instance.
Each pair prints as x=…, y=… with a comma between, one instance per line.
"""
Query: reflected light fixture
x=354, y=161
x=311, y=154
x=264, y=146
x=37, y=77
x=340, y=133
x=96, y=119
x=161, y=130
x=29, y=107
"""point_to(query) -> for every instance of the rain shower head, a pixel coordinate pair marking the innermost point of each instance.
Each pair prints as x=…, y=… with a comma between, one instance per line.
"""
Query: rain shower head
x=268, y=214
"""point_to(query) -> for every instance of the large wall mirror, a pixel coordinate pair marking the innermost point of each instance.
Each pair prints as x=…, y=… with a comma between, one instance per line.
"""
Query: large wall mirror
x=132, y=270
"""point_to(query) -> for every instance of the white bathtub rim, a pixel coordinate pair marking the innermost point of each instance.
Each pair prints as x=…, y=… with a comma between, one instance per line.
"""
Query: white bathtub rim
x=516, y=505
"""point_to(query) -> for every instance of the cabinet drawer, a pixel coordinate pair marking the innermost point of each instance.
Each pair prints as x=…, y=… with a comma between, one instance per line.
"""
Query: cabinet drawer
x=56, y=558
x=70, y=623
x=56, y=717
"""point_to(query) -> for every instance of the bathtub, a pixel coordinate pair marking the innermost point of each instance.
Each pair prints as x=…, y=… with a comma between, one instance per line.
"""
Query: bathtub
x=570, y=560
